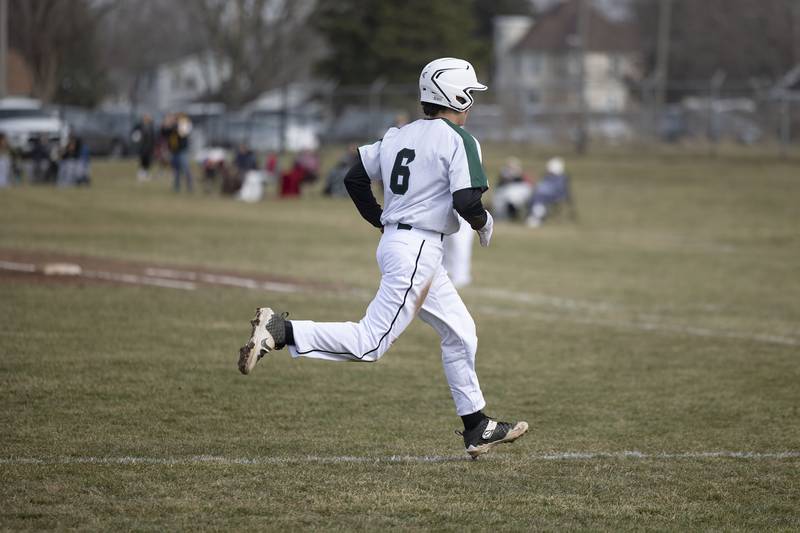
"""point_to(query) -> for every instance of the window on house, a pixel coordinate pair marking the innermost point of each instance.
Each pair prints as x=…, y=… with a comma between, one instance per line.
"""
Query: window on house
x=614, y=66
x=573, y=64
x=535, y=63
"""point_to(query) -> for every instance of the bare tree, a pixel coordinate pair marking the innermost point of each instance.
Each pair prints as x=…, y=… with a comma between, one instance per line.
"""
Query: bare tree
x=140, y=35
x=266, y=43
x=43, y=30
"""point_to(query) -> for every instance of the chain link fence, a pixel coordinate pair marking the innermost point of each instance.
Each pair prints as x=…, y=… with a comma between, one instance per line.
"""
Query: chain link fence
x=704, y=113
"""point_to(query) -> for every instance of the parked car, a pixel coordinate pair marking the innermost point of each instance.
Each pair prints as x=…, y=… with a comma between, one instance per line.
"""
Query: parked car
x=261, y=132
x=104, y=133
x=24, y=123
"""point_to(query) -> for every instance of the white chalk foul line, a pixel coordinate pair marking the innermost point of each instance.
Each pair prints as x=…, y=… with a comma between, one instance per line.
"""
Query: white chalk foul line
x=186, y=280
x=135, y=279
x=662, y=327
x=132, y=279
x=17, y=267
x=223, y=279
x=568, y=304
x=346, y=459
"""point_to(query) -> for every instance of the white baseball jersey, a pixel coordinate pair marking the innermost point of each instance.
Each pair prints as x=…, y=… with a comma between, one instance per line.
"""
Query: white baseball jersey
x=421, y=165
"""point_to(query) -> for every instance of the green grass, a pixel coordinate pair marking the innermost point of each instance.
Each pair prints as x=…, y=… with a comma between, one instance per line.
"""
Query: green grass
x=665, y=321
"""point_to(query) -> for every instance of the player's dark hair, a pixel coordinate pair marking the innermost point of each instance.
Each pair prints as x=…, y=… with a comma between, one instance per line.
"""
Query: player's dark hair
x=431, y=110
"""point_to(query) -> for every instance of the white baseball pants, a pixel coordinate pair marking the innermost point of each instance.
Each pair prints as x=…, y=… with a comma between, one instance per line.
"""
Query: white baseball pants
x=458, y=254
x=413, y=281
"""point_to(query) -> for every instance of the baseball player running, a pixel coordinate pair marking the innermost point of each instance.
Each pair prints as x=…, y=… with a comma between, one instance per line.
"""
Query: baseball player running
x=428, y=168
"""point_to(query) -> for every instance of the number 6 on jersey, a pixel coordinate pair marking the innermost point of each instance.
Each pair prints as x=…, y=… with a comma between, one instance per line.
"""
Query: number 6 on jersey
x=400, y=171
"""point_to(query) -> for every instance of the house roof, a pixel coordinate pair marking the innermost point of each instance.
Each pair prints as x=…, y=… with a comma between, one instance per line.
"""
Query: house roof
x=790, y=82
x=553, y=30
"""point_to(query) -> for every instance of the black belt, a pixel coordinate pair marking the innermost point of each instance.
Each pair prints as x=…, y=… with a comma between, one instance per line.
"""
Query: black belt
x=400, y=225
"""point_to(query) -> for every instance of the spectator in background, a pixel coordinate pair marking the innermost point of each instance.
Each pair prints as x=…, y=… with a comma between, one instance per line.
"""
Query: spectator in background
x=161, y=153
x=251, y=185
x=144, y=136
x=513, y=191
x=43, y=167
x=245, y=160
x=334, y=182
x=400, y=119
x=292, y=180
x=73, y=167
x=271, y=169
x=310, y=162
x=177, y=129
x=550, y=192
x=5, y=162
x=214, y=166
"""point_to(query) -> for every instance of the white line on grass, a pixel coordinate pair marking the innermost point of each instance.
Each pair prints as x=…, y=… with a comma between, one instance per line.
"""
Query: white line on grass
x=185, y=280
x=542, y=299
x=118, y=277
x=223, y=279
x=17, y=267
x=339, y=459
x=134, y=279
x=647, y=326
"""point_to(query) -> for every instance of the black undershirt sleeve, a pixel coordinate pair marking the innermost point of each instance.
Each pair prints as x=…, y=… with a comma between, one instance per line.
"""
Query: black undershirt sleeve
x=358, y=186
x=467, y=203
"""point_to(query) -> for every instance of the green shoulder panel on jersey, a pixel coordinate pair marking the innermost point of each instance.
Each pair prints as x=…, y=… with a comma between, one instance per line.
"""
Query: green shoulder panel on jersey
x=476, y=174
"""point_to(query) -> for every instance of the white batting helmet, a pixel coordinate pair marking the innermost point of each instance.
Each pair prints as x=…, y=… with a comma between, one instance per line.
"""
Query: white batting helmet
x=448, y=82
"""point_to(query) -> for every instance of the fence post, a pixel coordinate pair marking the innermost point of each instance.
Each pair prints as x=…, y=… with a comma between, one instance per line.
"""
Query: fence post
x=714, y=88
x=375, y=91
x=786, y=125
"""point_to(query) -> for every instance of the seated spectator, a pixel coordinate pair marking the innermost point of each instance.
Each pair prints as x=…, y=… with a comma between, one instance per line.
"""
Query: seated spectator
x=271, y=168
x=245, y=160
x=292, y=180
x=43, y=166
x=512, y=193
x=310, y=162
x=5, y=162
x=73, y=167
x=214, y=167
x=549, y=193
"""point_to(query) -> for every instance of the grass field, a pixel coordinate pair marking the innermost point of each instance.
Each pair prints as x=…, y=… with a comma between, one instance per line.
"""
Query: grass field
x=654, y=346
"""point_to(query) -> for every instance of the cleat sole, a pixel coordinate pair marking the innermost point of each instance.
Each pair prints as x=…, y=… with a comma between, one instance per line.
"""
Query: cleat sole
x=249, y=354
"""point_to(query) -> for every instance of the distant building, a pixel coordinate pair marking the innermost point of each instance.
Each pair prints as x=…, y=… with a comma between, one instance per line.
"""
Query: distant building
x=788, y=87
x=18, y=74
x=538, y=64
x=176, y=84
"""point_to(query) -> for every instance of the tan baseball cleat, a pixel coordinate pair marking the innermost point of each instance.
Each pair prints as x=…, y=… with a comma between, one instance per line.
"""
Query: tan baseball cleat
x=269, y=333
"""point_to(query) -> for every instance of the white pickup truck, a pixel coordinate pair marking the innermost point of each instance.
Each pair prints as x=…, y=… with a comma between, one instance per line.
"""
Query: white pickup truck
x=23, y=120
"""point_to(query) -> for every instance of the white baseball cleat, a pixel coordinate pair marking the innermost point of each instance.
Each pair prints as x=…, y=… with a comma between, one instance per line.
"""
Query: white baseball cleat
x=489, y=433
x=269, y=333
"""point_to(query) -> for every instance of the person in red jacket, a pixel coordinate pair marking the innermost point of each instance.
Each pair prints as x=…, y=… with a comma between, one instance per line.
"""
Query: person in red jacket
x=291, y=180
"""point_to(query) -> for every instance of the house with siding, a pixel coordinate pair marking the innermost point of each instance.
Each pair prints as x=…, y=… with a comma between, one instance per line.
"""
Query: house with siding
x=537, y=61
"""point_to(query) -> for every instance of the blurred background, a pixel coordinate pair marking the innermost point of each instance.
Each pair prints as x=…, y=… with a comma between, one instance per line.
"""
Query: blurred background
x=215, y=90
x=281, y=75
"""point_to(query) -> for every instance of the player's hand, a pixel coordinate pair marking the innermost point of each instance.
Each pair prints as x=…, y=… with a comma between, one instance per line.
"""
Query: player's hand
x=485, y=233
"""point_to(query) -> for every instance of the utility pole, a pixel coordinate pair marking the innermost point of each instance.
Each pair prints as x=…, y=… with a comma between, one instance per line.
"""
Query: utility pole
x=3, y=48
x=662, y=56
x=582, y=135
x=796, y=31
